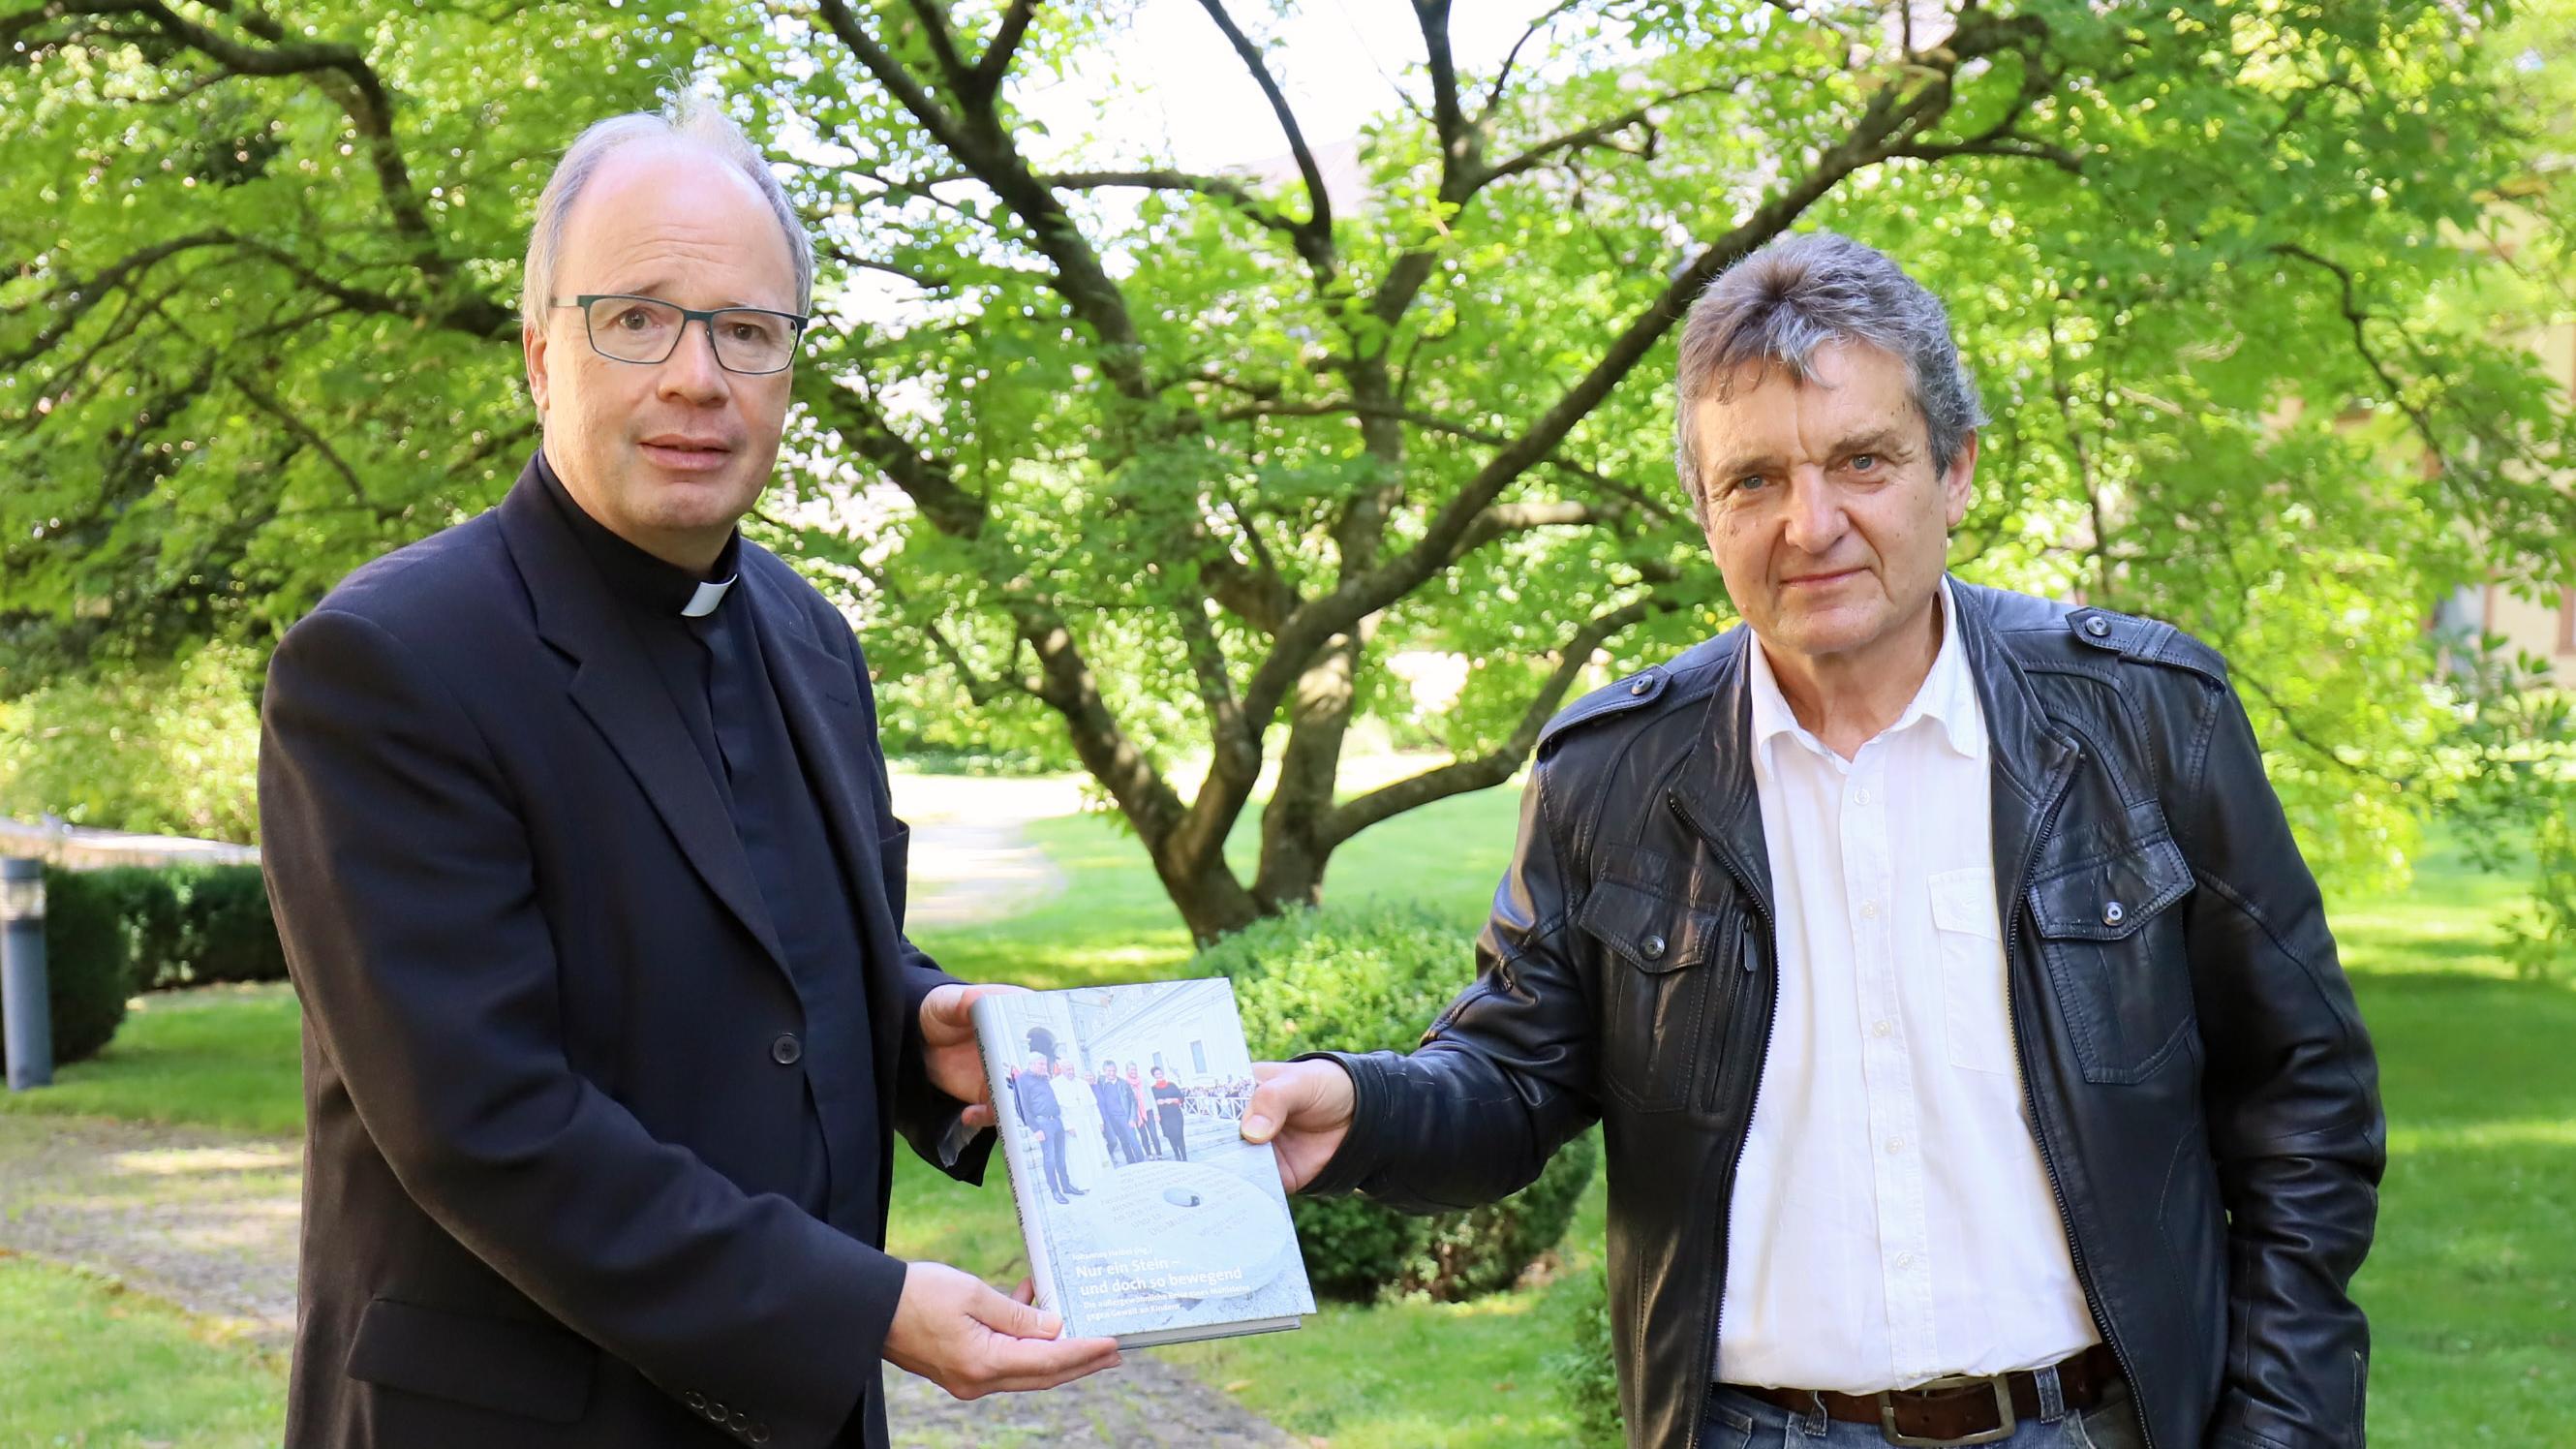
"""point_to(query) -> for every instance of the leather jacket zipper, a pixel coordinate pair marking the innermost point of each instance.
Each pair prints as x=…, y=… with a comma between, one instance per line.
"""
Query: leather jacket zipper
x=2039, y=1124
x=1743, y=1135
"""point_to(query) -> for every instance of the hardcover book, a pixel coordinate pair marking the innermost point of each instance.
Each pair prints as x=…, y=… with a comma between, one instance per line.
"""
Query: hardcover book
x=1148, y=1218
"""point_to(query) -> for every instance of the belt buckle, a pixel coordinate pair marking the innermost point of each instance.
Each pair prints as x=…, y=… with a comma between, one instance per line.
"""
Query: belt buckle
x=2003, y=1410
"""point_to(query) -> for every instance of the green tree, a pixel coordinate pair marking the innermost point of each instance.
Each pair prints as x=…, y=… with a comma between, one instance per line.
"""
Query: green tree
x=1165, y=464
x=169, y=748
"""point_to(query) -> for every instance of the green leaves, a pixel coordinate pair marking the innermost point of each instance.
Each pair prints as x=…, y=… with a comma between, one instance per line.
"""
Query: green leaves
x=1109, y=453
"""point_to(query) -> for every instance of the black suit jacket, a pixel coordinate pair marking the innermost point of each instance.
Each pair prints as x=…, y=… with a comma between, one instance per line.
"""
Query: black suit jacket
x=556, y=1073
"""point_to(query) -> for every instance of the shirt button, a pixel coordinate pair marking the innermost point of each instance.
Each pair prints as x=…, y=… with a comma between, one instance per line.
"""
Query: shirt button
x=1905, y=1260
x=1860, y=796
x=1869, y=910
x=786, y=1049
x=1895, y=1145
x=1880, y=1028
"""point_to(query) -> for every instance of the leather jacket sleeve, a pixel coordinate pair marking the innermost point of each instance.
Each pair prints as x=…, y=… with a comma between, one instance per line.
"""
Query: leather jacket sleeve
x=1504, y=1076
x=2291, y=1089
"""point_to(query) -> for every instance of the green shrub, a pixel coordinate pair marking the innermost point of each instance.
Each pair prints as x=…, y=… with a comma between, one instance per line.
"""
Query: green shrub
x=1367, y=979
x=231, y=933
x=191, y=925
x=1585, y=1370
x=150, y=912
x=88, y=967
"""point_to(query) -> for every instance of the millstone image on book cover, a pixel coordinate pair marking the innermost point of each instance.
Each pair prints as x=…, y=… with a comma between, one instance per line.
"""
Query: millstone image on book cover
x=1147, y=1216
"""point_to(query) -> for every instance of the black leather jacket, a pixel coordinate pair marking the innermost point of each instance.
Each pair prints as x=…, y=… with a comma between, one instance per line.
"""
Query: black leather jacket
x=2204, y=1095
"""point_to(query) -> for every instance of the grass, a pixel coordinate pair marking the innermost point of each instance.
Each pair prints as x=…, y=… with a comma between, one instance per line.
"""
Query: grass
x=2471, y=1289
x=83, y=1362
x=221, y=1056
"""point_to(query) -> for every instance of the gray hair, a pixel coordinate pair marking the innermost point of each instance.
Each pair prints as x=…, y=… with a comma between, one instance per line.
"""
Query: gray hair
x=690, y=119
x=1777, y=306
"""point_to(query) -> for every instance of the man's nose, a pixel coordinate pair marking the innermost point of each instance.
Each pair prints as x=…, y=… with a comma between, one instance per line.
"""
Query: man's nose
x=692, y=374
x=1815, y=520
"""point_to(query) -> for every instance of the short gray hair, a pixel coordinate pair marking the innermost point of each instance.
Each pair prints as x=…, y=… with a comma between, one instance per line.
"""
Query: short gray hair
x=690, y=119
x=1777, y=306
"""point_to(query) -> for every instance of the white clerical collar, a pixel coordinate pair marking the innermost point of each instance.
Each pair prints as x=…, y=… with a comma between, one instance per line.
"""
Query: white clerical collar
x=704, y=601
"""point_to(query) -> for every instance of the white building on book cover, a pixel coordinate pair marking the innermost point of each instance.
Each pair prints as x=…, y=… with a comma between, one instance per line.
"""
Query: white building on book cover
x=1147, y=1217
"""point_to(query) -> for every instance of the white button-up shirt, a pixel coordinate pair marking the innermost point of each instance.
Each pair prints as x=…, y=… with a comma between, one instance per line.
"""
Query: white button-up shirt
x=1892, y=1221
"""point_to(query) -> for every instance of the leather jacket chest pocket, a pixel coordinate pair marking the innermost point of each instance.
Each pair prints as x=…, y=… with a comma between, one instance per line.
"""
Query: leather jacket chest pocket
x=2116, y=955
x=1666, y=973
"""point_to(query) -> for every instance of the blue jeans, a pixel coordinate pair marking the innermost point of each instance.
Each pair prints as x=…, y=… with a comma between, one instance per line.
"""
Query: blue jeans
x=1740, y=1421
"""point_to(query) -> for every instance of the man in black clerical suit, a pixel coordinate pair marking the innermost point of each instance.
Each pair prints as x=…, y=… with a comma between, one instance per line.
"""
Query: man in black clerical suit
x=579, y=839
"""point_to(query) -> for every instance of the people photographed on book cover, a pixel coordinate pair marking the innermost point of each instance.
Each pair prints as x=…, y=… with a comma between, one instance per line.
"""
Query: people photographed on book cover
x=580, y=844
x=1967, y=1039
x=1195, y=1242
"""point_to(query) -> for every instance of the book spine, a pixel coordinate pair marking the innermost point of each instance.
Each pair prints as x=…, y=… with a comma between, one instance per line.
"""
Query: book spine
x=993, y=1034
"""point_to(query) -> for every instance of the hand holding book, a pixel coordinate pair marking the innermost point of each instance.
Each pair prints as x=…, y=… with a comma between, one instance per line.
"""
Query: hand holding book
x=1303, y=1110
x=961, y=1335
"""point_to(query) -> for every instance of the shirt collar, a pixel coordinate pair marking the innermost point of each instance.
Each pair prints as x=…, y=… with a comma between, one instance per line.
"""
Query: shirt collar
x=645, y=583
x=1948, y=696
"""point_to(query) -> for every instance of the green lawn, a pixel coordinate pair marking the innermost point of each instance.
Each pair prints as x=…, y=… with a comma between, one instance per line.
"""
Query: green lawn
x=2469, y=1289
x=223, y=1056
x=82, y=1362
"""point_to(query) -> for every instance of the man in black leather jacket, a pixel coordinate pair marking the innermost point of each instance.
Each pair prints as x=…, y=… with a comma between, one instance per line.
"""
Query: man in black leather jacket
x=2190, y=1100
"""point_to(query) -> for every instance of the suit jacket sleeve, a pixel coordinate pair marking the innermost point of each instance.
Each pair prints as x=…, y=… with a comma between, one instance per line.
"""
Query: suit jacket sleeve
x=2292, y=1092
x=406, y=894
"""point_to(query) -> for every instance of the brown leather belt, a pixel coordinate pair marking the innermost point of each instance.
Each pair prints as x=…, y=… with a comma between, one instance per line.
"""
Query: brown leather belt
x=1956, y=1410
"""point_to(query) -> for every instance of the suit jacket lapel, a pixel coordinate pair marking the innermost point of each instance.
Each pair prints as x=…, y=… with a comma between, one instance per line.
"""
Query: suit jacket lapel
x=818, y=694
x=616, y=688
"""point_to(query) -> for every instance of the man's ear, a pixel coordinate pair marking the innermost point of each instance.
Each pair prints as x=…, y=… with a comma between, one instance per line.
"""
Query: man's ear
x=1958, y=485
x=532, y=345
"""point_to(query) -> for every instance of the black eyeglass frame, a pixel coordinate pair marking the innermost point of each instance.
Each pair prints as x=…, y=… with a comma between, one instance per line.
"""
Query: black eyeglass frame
x=687, y=315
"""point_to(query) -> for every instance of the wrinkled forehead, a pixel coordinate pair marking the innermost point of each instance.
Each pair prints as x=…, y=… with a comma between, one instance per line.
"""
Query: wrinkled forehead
x=1837, y=390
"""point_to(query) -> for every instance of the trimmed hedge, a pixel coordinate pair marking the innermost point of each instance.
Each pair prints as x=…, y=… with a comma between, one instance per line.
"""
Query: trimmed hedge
x=88, y=964
x=193, y=925
x=1367, y=979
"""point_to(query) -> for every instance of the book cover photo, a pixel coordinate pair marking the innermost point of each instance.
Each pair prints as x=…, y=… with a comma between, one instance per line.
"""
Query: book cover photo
x=1147, y=1217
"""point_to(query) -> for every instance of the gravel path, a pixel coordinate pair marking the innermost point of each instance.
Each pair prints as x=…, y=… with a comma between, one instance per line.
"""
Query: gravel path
x=972, y=859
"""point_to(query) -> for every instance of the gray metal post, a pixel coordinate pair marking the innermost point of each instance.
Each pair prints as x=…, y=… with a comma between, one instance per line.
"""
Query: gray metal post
x=23, y=995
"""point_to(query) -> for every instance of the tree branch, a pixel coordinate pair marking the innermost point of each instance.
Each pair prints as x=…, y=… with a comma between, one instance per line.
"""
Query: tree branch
x=267, y=402
x=1232, y=193
x=2360, y=319
x=1598, y=136
x=996, y=61
x=1315, y=233
x=343, y=73
x=1870, y=141
x=943, y=47
x=1502, y=77
x=1432, y=423
x=1496, y=766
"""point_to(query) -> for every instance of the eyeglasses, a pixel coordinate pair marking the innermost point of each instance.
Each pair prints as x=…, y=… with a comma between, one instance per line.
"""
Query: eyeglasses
x=647, y=330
